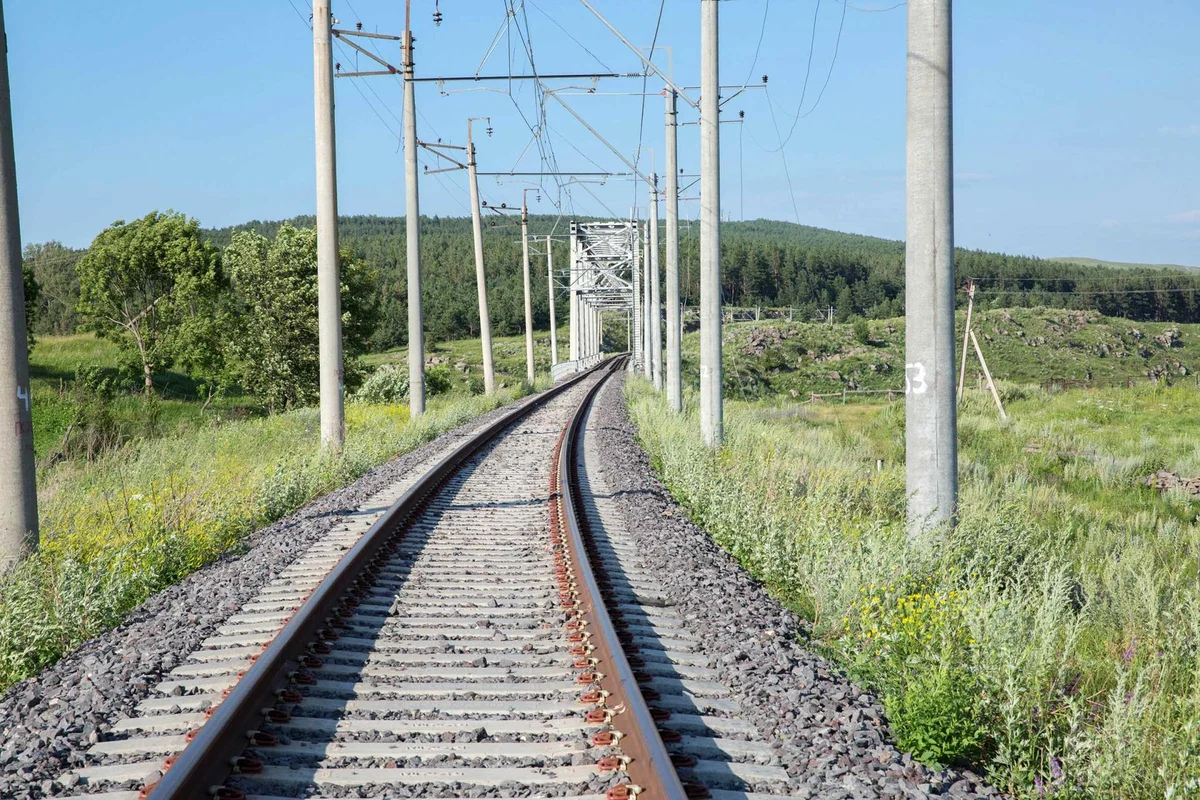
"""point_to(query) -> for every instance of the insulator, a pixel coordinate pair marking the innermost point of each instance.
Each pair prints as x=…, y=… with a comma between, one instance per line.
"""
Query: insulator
x=504, y=205
x=337, y=67
x=484, y=203
x=764, y=80
x=489, y=130
x=741, y=115
x=358, y=26
x=539, y=198
x=437, y=13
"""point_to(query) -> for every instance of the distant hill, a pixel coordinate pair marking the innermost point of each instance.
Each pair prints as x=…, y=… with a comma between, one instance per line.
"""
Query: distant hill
x=1098, y=262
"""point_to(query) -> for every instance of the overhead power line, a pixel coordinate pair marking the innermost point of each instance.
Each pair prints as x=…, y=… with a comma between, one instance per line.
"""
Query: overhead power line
x=800, y=113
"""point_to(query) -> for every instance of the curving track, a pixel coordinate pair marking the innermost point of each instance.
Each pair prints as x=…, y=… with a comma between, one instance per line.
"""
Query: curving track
x=468, y=633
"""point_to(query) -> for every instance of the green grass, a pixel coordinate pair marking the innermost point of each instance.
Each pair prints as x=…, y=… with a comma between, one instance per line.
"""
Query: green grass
x=1024, y=346
x=1056, y=632
x=119, y=528
x=176, y=408
x=464, y=358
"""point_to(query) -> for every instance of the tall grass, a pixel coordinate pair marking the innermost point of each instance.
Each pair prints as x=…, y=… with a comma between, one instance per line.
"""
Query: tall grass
x=1053, y=638
x=116, y=530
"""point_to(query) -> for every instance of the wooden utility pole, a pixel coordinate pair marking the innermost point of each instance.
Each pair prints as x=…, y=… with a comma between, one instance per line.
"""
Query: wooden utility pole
x=329, y=288
x=18, y=489
x=962, y=369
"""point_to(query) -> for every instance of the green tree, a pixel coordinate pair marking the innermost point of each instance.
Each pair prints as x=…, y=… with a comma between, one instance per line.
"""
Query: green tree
x=53, y=266
x=276, y=347
x=32, y=293
x=145, y=284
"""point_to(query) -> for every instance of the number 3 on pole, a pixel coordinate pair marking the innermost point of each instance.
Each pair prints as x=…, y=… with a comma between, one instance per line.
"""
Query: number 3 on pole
x=914, y=379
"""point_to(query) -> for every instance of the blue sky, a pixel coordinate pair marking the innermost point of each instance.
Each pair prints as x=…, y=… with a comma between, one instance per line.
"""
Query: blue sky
x=1077, y=121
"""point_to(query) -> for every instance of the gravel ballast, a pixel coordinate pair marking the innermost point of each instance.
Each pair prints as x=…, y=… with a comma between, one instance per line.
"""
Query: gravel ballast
x=48, y=721
x=833, y=737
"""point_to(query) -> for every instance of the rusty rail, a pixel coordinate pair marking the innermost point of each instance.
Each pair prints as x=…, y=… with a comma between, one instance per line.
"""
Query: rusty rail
x=611, y=682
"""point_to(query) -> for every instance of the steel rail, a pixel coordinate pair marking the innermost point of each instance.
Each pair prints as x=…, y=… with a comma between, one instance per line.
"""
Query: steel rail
x=215, y=750
x=646, y=760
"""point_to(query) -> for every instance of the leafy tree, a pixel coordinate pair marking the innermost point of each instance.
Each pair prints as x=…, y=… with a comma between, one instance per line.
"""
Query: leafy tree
x=32, y=294
x=276, y=347
x=53, y=266
x=145, y=284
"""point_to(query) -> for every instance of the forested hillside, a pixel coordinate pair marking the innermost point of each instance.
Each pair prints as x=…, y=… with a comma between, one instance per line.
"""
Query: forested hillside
x=765, y=263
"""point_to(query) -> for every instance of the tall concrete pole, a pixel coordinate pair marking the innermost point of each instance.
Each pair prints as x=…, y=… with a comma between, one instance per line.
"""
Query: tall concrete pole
x=573, y=297
x=329, y=284
x=655, y=297
x=412, y=234
x=528, y=293
x=635, y=346
x=647, y=328
x=711, y=410
x=550, y=288
x=931, y=428
x=485, y=320
x=674, y=324
x=18, y=491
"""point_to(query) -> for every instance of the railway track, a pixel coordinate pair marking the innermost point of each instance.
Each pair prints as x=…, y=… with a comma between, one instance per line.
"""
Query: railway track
x=483, y=630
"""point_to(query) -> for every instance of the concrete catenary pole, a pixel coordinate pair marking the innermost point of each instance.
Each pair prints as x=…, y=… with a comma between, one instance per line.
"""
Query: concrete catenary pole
x=550, y=289
x=655, y=296
x=18, y=492
x=711, y=410
x=485, y=320
x=647, y=332
x=528, y=293
x=931, y=430
x=674, y=324
x=573, y=297
x=635, y=347
x=329, y=288
x=412, y=233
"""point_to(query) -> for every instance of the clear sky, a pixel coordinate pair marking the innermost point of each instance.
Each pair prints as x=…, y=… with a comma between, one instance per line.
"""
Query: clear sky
x=1077, y=122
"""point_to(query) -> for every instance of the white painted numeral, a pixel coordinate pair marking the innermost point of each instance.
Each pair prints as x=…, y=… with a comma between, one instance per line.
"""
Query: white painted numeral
x=914, y=379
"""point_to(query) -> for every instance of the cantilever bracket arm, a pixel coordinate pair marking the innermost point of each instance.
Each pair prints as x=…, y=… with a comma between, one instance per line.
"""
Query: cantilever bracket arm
x=649, y=64
x=365, y=34
x=368, y=54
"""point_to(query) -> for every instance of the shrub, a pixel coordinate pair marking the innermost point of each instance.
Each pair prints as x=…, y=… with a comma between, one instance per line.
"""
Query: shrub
x=438, y=380
x=862, y=331
x=388, y=384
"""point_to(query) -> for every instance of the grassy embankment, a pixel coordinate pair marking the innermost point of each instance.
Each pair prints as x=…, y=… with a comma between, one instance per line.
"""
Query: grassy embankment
x=1055, y=636
x=180, y=491
x=463, y=359
x=1025, y=346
